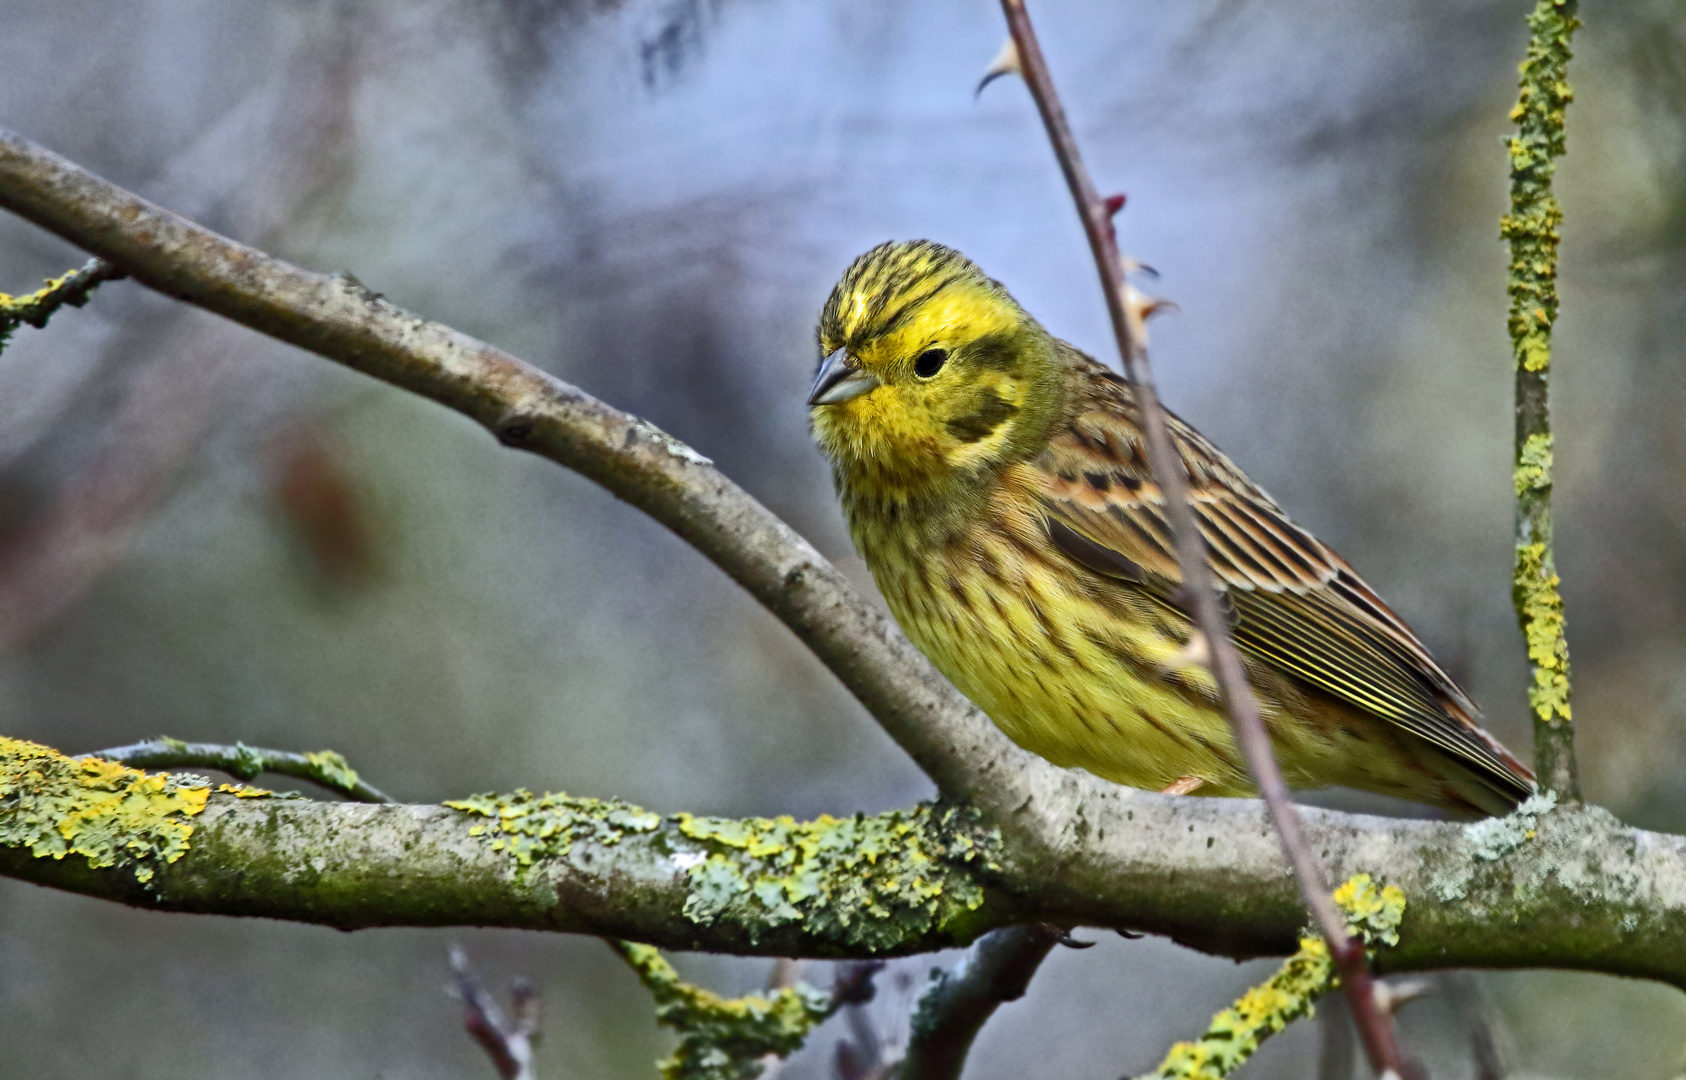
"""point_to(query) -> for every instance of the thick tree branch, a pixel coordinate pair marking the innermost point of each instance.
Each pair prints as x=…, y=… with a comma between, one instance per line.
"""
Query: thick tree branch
x=1564, y=888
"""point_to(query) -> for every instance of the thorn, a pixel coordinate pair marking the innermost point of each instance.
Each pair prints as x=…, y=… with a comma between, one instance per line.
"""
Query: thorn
x=1391, y=997
x=1006, y=62
x=1197, y=653
x=1112, y=204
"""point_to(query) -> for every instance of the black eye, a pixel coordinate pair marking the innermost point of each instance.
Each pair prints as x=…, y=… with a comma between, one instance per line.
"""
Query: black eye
x=930, y=362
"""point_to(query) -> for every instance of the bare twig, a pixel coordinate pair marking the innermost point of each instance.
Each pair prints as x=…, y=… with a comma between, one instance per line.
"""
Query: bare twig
x=1243, y=709
x=1531, y=229
x=961, y=1000
x=324, y=767
x=507, y=1040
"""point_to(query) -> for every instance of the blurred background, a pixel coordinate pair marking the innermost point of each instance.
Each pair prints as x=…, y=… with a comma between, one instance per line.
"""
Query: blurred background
x=208, y=535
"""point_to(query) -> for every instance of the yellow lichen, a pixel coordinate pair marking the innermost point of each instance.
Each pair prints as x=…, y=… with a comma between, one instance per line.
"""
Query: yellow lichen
x=55, y=806
x=866, y=881
x=34, y=309
x=1540, y=608
x=1374, y=913
x=1533, y=469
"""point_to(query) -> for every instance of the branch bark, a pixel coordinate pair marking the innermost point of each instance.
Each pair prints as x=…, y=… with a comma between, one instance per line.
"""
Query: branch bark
x=1530, y=228
x=961, y=1000
x=1565, y=888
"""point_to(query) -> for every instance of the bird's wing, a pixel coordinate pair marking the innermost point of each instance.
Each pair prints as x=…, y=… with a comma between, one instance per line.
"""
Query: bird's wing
x=1294, y=604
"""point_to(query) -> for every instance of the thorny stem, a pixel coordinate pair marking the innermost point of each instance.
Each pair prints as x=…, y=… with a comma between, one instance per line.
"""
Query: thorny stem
x=1238, y=699
x=1531, y=228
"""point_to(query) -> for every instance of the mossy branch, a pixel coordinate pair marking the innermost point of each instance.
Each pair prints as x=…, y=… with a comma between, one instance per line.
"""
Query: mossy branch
x=70, y=290
x=1531, y=229
x=327, y=768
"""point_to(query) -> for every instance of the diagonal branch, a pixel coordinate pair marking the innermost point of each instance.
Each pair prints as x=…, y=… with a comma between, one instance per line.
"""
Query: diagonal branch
x=1166, y=466
x=338, y=318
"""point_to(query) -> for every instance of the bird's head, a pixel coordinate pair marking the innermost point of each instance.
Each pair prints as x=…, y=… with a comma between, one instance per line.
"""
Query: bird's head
x=928, y=368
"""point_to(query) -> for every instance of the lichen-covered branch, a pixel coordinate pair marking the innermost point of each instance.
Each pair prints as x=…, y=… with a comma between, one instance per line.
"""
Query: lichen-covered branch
x=70, y=290
x=959, y=1001
x=325, y=767
x=1551, y=886
x=1374, y=913
x=724, y=1038
x=1531, y=228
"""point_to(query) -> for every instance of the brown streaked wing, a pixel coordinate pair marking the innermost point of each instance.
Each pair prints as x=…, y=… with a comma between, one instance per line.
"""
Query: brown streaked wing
x=1297, y=605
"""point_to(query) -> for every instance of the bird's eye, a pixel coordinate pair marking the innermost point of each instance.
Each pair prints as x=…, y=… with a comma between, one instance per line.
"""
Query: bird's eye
x=930, y=362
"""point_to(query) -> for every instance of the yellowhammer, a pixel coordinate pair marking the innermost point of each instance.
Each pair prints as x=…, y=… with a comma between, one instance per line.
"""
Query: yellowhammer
x=995, y=481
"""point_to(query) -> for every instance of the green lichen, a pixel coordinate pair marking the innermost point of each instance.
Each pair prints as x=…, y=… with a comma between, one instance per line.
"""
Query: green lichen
x=533, y=827
x=34, y=309
x=723, y=1038
x=1533, y=467
x=110, y=814
x=1539, y=608
x=1374, y=913
x=871, y=882
x=331, y=768
x=1490, y=840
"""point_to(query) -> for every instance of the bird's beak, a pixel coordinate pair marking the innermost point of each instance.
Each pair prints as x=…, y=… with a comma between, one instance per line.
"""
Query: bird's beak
x=838, y=380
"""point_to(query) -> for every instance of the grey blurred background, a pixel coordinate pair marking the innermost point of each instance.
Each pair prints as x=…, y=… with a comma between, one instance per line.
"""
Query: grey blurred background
x=208, y=535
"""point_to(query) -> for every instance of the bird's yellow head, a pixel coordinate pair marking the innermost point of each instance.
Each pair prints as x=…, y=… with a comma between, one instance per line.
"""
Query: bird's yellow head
x=928, y=369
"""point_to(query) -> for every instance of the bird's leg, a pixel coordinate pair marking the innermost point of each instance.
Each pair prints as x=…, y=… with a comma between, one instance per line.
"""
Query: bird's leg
x=1186, y=785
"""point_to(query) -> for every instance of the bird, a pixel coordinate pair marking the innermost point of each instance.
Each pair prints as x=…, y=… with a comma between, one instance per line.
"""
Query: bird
x=994, y=479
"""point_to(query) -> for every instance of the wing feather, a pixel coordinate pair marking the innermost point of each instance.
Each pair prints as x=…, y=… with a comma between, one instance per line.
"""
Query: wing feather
x=1297, y=606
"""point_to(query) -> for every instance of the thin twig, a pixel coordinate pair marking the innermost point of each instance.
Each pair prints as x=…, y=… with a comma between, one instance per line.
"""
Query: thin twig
x=961, y=1000
x=508, y=1040
x=1531, y=229
x=1168, y=473
x=71, y=290
x=324, y=767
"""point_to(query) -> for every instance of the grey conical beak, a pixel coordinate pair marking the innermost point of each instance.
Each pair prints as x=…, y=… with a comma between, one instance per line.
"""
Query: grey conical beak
x=839, y=379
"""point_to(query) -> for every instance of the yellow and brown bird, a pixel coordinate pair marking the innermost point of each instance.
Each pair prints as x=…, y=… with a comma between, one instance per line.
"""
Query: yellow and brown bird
x=995, y=480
